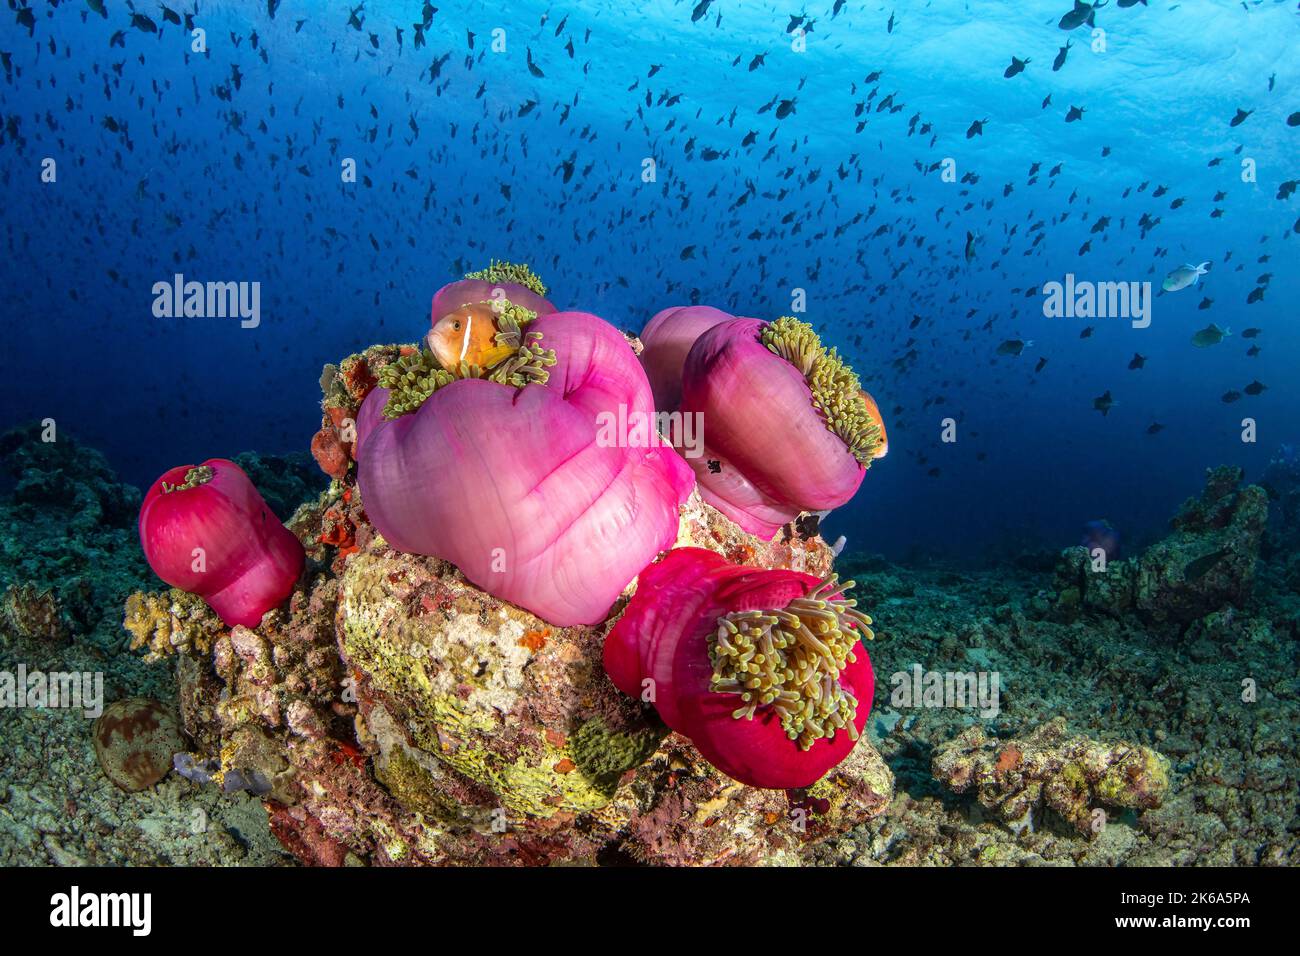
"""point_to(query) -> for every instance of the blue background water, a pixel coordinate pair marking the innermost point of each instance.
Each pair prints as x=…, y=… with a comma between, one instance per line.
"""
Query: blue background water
x=243, y=184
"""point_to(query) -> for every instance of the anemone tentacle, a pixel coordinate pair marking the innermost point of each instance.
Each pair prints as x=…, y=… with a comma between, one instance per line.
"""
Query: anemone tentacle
x=836, y=390
x=790, y=659
x=515, y=272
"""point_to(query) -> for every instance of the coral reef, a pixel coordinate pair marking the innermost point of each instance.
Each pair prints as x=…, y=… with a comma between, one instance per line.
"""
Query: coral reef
x=292, y=754
x=1281, y=479
x=394, y=713
x=1206, y=563
x=391, y=712
x=1071, y=775
x=1220, y=703
x=68, y=551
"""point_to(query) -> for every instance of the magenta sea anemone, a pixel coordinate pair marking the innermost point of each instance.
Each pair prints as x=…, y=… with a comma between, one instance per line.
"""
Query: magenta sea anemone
x=206, y=530
x=786, y=425
x=762, y=669
x=496, y=457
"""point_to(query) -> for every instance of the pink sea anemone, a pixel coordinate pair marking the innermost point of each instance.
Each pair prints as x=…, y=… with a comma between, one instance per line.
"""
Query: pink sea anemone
x=786, y=425
x=506, y=473
x=762, y=669
x=206, y=530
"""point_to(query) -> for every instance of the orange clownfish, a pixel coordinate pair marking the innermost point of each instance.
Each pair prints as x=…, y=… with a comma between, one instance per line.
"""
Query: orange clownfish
x=883, y=448
x=467, y=335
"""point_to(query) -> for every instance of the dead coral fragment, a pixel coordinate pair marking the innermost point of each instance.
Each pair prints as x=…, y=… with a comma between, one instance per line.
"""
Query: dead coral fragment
x=1068, y=774
x=30, y=613
x=169, y=621
x=513, y=272
x=836, y=391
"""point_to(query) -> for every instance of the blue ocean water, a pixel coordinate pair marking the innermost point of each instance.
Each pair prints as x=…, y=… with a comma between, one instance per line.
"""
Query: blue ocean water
x=825, y=148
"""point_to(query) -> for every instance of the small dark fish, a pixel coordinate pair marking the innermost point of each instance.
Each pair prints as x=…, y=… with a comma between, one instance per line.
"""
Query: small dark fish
x=1240, y=117
x=1016, y=67
x=976, y=129
x=1012, y=347
x=1195, y=570
x=1155, y=428
x=1210, y=335
x=1081, y=14
x=1255, y=387
x=784, y=108
x=1138, y=361
x=1251, y=333
x=1104, y=403
x=807, y=525
x=1230, y=396
x=1075, y=114
x=701, y=11
x=1060, y=56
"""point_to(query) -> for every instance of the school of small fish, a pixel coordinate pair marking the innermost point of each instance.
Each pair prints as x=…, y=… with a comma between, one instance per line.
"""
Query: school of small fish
x=538, y=134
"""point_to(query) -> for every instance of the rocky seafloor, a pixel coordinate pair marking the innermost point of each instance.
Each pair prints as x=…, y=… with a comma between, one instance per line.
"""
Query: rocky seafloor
x=393, y=714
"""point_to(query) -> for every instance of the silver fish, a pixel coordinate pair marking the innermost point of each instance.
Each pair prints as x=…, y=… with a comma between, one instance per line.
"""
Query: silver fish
x=1184, y=276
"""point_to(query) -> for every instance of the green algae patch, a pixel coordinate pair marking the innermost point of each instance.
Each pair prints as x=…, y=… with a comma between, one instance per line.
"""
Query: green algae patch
x=416, y=788
x=470, y=692
x=603, y=756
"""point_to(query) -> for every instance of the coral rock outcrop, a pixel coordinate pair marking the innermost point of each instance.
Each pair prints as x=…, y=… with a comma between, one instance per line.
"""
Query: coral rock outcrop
x=1208, y=561
x=393, y=713
x=1074, y=776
